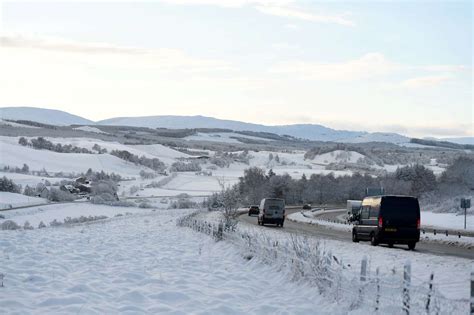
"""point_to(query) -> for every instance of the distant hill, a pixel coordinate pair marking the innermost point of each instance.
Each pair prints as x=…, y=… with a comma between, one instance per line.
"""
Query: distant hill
x=42, y=115
x=304, y=131
x=313, y=132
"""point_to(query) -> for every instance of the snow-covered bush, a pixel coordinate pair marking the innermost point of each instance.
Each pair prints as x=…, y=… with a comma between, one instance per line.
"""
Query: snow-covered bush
x=41, y=225
x=183, y=203
x=60, y=195
x=9, y=225
x=145, y=205
x=147, y=175
x=134, y=189
x=27, y=226
x=185, y=167
x=83, y=219
x=8, y=185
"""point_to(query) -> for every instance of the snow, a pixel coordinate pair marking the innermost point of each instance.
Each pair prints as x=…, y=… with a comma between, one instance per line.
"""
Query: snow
x=11, y=200
x=43, y=115
x=90, y=129
x=338, y=156
x=141, y=264
x=13, y=154
x=13, y=124
x=30, y=180
x=446, y=220
x=446, y=268
x=311, y=218
x=378, y=137
x=223, y=137
x=48, y=213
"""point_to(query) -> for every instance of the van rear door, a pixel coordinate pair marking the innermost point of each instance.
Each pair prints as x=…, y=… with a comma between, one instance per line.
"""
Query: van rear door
x=274, y=208
x=400, y=212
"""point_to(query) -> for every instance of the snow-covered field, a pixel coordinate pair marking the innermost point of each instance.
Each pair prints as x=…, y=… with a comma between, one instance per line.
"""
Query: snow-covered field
x=223, y=137
x=11, y=200
x=59, y=212
x=141, y=264
x=446, y=220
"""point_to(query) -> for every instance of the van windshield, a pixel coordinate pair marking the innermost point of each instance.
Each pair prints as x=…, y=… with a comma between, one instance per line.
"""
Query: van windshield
x=401, y=210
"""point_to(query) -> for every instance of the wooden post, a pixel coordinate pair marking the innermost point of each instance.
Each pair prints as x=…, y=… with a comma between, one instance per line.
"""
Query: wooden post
x=219, y=231
x=430, y=293
x=377, y=297
x=363, y=269
x=472, y=291
x=406, y=288
x=363, y=277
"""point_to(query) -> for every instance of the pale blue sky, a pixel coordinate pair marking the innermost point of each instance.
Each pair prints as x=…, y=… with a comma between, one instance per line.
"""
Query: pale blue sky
x=274, y=62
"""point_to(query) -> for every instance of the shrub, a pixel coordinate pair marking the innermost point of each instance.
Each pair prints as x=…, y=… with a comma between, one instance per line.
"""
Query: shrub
x=185, y=167
x=59, y=195
x=9, y=186
x=9, y=225
x=27, y=226
x=145, y=205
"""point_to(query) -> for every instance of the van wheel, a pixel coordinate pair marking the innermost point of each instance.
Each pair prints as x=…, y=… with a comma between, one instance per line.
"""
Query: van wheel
x=373, y=240
x=411, y=246
x=354, y=237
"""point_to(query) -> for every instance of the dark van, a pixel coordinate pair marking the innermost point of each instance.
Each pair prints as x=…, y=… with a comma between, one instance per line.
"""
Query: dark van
x=388, y=220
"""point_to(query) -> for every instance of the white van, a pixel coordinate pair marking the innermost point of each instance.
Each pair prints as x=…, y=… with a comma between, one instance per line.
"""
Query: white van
x=272, y=210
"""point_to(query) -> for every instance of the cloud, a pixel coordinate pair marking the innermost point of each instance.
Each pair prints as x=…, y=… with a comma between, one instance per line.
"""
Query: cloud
x=280, y=8
x=367, y=66
x=425, y=81
x=229, y=3
x=103, y=53
x=288, y=12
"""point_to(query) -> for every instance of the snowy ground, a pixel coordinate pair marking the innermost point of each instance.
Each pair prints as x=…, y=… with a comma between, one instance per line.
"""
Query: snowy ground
x=446, y=220
x=11, y=200
x=59, y=212
x=141, y=264
x=451, y=273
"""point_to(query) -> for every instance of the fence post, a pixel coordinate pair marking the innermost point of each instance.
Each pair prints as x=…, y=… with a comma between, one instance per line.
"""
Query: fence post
x=430, y=293
x=219, y=231
x=363, y=277
x=363, y=269
x=406, y=287
x=472, y=291
x=377, y=297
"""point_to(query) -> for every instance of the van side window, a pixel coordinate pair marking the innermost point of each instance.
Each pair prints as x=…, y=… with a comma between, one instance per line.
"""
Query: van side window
x=365, y=212
x=374, y=212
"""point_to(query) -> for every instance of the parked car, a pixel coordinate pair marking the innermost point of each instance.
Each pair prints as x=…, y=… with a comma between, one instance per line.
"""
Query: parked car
x=253, y=210
x=307, y=207
x=388, y=220
x=272, y=210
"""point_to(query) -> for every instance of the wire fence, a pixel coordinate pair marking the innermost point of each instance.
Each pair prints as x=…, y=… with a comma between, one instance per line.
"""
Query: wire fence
x=305, y=260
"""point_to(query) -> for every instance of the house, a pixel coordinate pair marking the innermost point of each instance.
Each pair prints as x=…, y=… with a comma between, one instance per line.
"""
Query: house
x=43, y=193
x=69, y=188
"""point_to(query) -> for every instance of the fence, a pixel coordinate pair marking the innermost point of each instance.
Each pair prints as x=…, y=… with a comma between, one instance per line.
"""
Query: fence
x=305, y=260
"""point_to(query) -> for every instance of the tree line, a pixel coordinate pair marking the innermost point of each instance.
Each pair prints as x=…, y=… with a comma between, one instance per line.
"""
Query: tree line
x=415, y=180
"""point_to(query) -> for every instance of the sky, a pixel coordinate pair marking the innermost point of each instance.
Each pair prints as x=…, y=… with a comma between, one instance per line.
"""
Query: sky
x=401, y=66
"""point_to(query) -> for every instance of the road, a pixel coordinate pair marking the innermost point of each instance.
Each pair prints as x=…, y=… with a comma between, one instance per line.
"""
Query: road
x=326, y=233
